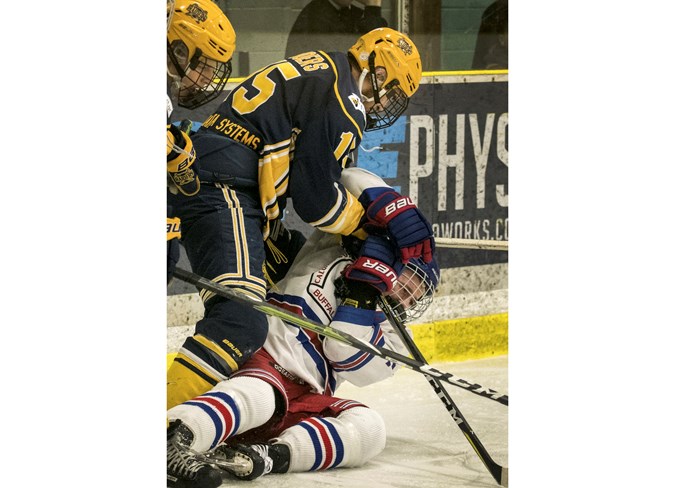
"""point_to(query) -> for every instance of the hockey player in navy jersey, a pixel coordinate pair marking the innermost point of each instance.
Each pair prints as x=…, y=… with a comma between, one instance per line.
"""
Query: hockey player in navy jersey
x=200, y=45
x=288, y=131
x=278, y=413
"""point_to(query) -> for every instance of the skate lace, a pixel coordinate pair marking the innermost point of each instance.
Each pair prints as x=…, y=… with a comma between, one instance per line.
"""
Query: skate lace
x=262, y=450
x=180, y=461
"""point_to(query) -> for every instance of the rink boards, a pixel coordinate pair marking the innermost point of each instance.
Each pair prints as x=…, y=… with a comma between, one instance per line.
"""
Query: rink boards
x=460, y=325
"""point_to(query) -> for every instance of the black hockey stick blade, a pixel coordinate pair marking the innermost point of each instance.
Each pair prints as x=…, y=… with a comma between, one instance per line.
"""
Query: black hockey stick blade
x=499, y=472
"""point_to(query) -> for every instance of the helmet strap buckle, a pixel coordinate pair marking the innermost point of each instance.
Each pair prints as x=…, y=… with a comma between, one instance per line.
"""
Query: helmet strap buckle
x=372, y=77
x=195, y=60
x=175, y=61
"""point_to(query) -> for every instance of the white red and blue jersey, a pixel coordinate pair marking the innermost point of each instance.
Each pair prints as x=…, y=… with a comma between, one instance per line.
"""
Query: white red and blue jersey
x=309, y=290
x=290, y=128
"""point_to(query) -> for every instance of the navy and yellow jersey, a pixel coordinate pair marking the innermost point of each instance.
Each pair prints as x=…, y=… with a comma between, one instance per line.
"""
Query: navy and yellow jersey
x=291, y=127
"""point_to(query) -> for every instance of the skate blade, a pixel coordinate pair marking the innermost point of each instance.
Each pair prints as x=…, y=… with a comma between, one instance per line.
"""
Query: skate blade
x=236, y=465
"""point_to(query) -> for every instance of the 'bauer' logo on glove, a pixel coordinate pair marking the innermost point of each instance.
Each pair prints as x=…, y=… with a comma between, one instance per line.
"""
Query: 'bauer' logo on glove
x=397, y=206
x=407, y=226
x=376, y=264
x=372, y=271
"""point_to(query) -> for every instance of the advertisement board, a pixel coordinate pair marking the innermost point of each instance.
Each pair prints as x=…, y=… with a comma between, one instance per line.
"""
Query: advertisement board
x=449, y=153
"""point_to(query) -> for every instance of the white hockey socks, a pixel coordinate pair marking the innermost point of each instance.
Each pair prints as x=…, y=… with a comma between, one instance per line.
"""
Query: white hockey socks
x=349, y=440
x=230, y=408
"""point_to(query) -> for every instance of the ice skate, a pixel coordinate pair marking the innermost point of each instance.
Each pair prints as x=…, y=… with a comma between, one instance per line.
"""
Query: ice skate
x=184, y=469
x=249, y=462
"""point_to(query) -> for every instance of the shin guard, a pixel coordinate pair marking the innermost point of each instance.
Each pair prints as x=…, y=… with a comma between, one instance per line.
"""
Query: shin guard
x=349, y=440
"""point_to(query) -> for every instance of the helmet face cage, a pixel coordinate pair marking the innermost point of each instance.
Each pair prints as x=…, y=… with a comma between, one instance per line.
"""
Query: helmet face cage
x=379, y=116
x=411, y=296
x=389, y=105
x=203, y=82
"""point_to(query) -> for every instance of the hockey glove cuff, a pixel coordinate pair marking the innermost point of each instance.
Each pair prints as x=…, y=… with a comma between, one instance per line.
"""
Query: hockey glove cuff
x=355, y=316
x=181, y=161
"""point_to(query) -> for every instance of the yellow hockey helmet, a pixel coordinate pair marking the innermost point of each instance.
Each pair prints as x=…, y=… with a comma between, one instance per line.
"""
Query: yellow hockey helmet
x=201, y=42
x=394, y=51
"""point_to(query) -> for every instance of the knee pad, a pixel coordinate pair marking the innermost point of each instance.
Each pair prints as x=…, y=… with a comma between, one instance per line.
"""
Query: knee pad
x=232, y=407
x=349, y=440
x=372, y=433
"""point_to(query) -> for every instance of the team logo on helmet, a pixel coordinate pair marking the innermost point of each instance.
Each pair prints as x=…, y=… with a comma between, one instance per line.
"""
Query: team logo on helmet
x=405, y=47
x=197, y=12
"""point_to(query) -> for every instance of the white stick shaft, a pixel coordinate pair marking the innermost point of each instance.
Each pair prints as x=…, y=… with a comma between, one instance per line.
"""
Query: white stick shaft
x=472, y=244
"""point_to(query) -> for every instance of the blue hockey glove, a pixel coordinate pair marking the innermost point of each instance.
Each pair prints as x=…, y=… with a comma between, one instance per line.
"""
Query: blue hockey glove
x=376, y=264
x=408, y=227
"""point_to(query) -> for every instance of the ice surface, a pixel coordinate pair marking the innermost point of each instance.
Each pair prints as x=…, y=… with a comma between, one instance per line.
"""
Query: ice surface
x=424, y=447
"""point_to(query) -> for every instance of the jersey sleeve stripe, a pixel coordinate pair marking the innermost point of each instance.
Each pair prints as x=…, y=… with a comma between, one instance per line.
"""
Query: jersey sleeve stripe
x=344, y=217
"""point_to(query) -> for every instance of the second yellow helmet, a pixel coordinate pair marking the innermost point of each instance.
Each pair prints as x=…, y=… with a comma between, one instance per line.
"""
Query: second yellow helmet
x=201, y=43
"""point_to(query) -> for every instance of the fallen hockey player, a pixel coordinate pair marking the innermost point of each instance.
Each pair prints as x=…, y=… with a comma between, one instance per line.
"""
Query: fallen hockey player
x=278, y=413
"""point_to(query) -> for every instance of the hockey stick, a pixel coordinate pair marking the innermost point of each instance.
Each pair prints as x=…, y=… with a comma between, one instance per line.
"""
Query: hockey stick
x=499, y=473
x=327, y=331
x=472, y=244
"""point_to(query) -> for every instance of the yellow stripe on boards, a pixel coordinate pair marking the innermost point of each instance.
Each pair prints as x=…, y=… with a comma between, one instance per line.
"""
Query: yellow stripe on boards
x=463, y=339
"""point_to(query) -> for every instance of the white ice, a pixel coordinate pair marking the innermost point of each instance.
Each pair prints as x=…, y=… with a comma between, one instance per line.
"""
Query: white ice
x=424, y=447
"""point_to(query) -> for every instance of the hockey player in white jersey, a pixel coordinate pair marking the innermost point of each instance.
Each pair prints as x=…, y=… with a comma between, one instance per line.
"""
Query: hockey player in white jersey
x=278, y=413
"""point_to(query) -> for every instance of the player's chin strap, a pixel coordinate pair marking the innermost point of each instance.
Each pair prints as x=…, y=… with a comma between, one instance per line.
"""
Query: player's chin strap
x=328, y=331
x=172, y=56
x=499, y=473
x=371, y=73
